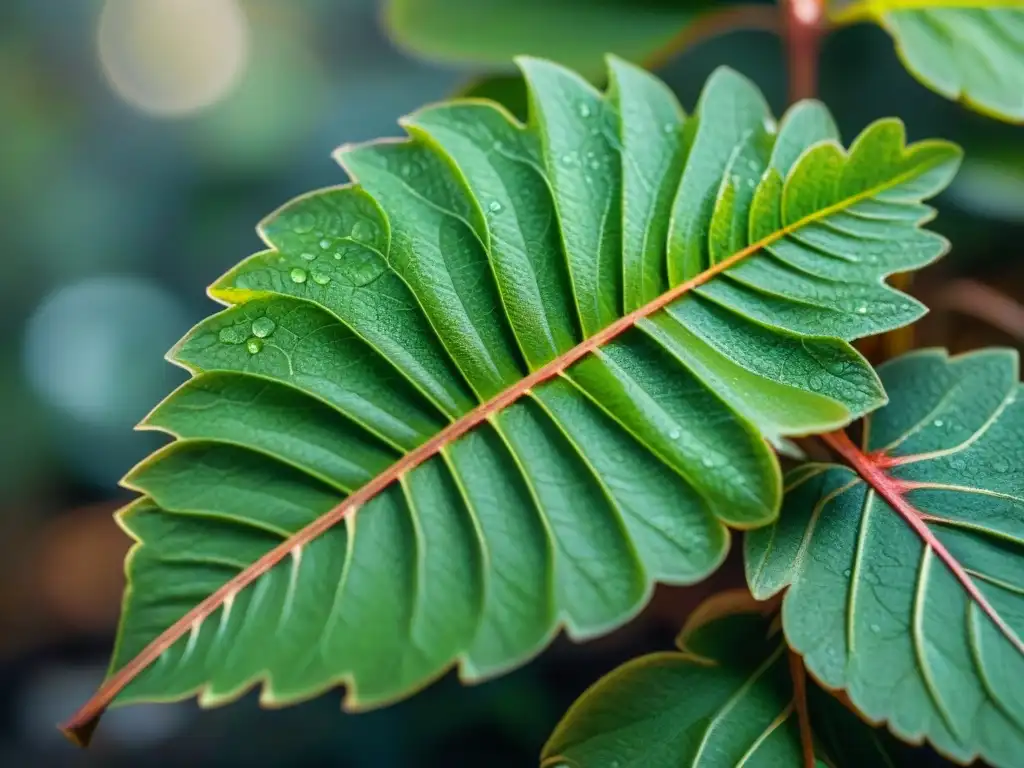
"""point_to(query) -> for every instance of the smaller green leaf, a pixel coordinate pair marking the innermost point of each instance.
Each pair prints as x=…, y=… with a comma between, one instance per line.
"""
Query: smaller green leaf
x=725, y=698
x=968, y=50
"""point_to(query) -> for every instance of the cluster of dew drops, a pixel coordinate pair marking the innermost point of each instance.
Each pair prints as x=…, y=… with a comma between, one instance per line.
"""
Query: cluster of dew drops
x=258, y=329
x=359, y=272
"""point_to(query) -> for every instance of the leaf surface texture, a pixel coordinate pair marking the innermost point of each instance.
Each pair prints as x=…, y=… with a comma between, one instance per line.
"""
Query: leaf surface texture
x=557, y=355
x=922, y=629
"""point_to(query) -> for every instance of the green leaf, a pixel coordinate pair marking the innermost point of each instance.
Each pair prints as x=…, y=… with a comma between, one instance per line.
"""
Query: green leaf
x=533, y=370
x=576, y=33
x=905, y=572
x=725, y=698
x=967, y=50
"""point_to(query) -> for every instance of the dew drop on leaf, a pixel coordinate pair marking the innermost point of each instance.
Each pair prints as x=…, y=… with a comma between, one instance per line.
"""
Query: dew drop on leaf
x=325, y=244
x=304, y=223
x=862, y=310
x=668, y=128
x=875, y=628
x=321, y=278
x=362, y=269
x=233, y=334
x=674, y=434
x=584, y=110
x=298, y=275
x=362, y=231
x=308, y=256
x=254, y=346
x=263, y=327
x=938, y=423
x=494, y=207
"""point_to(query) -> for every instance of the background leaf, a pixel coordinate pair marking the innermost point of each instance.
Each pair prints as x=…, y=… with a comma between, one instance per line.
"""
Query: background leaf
x=726, y=702
x=967, y=50
x=726, y=698
x=532, y=368
x=921, y=628
x=576, y=33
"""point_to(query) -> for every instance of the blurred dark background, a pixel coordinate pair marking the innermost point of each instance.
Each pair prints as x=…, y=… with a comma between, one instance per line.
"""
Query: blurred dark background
x=140, y=142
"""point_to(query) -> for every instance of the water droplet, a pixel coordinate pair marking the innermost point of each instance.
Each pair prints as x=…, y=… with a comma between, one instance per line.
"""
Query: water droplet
x=254, y=346
x=588, y=178
x=816, y=383
x=675, y=434
x=263, y=327
x=957, y=463
x=584, y=110
x=847, y=573
x=321, y=278
x=769, y=125
x=304, y=223
x=361, y=269
x=594, y=165
x=862, y=310
x=668, y=127
x=362, y=231
x=875, y=628
x=751, y=183
x=325, y=244
x=308, y=256
x=494, y=206
x=938, y=423
x=405, y=170
x=498, y=146
x=707, y=461
x=752, y=165
x=233, y=334
x=337, y=256
x=569, y=158
x=298, y=275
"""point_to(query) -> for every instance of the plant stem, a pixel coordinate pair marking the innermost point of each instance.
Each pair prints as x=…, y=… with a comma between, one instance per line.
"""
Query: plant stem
x=715, y=23
x=804, y=24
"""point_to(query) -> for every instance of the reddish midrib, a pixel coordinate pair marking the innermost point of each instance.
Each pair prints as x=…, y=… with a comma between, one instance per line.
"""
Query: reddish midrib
x=892, y=490
x=80, y=726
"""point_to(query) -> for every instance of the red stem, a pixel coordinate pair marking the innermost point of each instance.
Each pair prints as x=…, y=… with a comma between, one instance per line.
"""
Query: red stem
x=894, y=493
x=804, y=22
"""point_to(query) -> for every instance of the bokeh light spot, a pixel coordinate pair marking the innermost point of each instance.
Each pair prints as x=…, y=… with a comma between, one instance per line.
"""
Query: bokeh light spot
x=173, y=57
